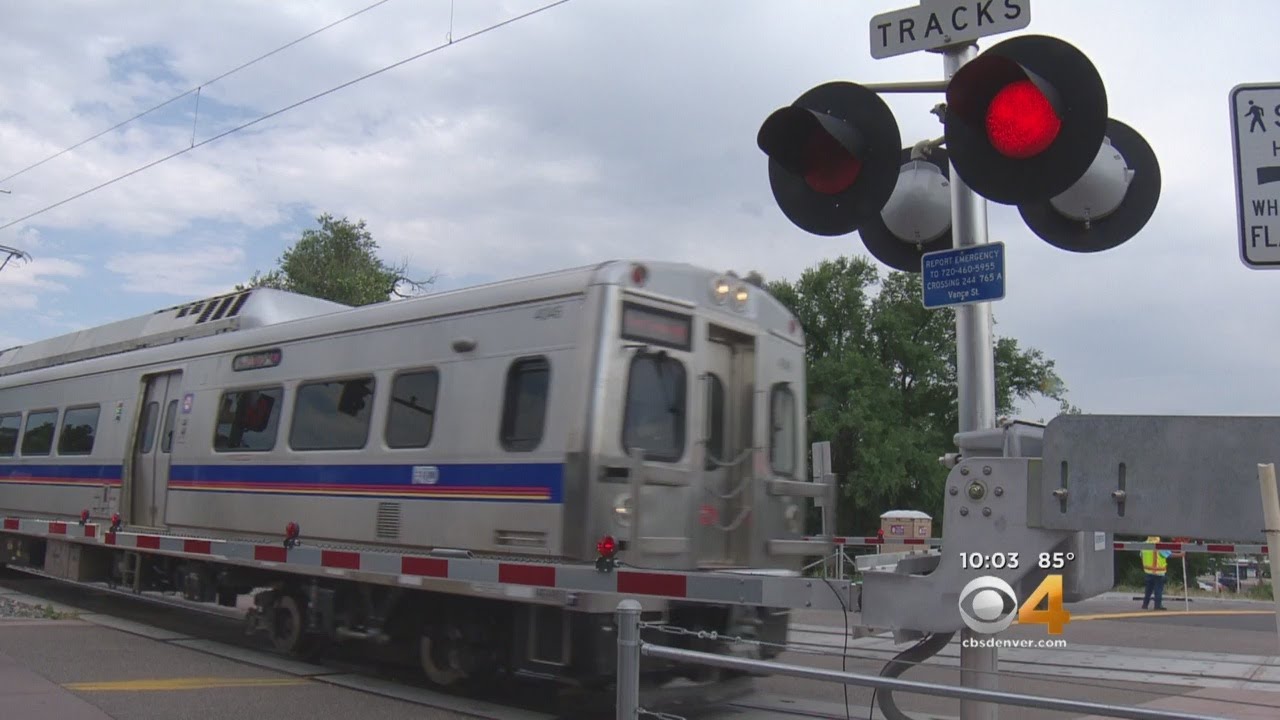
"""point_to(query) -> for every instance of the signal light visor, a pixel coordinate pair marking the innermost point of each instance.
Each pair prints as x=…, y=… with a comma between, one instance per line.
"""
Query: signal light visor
x=822, y=149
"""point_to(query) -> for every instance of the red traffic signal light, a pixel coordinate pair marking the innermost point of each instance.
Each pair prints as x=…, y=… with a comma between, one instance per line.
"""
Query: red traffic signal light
x=833, y=157
x=1025, y=119
x=1110, y=204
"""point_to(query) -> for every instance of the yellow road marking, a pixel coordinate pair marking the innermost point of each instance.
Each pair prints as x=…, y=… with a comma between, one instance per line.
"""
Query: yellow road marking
x=195, y=683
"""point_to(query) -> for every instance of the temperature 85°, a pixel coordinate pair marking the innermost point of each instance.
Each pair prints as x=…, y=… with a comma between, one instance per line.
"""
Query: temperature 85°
x=1055, y=560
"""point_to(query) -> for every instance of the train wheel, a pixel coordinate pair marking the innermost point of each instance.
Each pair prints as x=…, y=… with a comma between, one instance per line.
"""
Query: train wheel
x=286, y=625
x=437, y=651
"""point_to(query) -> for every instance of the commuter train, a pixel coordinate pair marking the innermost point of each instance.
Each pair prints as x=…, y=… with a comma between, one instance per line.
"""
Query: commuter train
x=508, y=420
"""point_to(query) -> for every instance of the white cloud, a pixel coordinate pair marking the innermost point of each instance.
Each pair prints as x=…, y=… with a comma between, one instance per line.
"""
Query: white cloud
x=38, y=274
x=197, y=270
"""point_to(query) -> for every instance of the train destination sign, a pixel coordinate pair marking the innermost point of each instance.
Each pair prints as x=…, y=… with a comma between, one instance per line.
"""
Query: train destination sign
x=256, y=360
x=661, y=327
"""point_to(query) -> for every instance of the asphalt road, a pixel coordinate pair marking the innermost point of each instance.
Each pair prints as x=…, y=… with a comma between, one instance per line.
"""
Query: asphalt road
x=133, y=660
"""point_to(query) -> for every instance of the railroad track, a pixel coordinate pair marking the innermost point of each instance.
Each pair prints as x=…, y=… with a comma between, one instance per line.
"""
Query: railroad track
x=219, y=631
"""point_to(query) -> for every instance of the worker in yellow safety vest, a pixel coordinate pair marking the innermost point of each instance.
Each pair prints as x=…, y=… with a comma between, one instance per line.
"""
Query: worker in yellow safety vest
x=1155, y=565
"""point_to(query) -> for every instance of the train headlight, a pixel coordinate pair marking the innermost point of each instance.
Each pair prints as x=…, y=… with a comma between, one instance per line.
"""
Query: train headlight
x=720, y=290
x=740, y=297
x=622, y=509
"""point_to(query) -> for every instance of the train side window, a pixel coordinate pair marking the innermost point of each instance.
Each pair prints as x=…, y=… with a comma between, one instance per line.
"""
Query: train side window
x=9, y=427
x=332, y=415
x=38, y=437
x=654, y=419
x=166, y=433
x=524, y=409
x=248, y=420
x=147, y=440
x=79, y=426
x=411, y=417
x=782, y=424
x=715, y=420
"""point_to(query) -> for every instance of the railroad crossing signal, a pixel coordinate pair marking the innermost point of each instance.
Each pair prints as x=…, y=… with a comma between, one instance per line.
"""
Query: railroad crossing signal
x=1025, y=119
x=832, y=157
x=1025, y=124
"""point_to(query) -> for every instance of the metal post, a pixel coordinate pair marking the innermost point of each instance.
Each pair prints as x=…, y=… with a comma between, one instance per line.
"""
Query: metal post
x=1271, y=528
x=628, y=621
x=1186, y=592
x=975, y=375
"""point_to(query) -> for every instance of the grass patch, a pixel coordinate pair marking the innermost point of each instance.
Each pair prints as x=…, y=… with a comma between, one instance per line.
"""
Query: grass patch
x=49, y=612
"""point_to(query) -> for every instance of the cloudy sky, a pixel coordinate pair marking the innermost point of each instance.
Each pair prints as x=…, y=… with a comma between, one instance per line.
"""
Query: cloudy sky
x=593, y=130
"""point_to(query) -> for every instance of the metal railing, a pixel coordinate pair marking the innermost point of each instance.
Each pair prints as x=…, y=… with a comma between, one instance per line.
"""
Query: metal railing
x=631, y=649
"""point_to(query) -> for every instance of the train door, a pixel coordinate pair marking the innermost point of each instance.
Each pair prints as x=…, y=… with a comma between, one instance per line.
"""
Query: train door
x=726, y=495
x=152, y=448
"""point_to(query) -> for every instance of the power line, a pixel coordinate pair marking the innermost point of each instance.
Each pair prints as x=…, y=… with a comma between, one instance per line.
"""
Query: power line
x=195, y=89
x=317, y=96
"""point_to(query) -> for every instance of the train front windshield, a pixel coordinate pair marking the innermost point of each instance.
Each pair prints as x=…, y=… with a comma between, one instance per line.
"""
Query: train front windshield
x=654, y=419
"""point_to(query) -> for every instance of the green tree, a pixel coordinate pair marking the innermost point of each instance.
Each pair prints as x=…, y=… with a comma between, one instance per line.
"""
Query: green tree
x=338, y=261
x=882, y=384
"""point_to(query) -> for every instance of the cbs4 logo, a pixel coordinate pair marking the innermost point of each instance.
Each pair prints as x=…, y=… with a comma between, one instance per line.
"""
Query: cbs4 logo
x=989, y=605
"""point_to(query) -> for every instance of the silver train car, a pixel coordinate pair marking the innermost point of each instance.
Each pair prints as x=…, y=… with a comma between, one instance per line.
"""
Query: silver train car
x=653, y=403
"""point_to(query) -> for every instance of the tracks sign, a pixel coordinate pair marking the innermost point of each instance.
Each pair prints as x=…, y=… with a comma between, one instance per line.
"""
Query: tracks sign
x=938, y=23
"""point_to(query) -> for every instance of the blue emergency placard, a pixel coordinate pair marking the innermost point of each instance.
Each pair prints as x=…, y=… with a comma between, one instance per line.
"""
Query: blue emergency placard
x=960, y=276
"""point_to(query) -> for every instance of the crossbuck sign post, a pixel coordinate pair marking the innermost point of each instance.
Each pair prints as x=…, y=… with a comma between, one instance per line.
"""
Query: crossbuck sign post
x=1026, y=125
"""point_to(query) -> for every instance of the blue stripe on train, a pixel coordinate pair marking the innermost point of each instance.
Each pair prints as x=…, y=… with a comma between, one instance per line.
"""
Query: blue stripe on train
x=488, y=481
x=70, y=472
x=539, y=482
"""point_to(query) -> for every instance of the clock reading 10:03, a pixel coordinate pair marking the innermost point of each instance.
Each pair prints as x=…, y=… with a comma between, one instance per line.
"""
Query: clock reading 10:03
x=1009, y=560
x=989, y=561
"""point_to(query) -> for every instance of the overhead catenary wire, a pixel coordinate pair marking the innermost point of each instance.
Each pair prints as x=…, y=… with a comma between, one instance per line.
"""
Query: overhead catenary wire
x=287, y=108
x=195, y=90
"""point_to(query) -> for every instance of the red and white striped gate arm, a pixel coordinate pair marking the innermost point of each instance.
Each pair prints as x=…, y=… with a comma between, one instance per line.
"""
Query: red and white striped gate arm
x=1195, y=547
x=70, y=529
x=744, y=588
x=1192, y=547
x=875, y=540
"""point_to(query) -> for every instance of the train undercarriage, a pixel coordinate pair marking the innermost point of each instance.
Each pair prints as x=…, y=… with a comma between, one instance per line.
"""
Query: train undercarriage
x=454, y=640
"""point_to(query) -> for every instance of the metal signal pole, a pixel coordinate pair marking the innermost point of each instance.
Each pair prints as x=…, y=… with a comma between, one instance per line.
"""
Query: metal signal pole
x=976, y=381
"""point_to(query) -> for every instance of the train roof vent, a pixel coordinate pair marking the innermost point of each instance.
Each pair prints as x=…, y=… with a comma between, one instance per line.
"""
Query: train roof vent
x=256, y=307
